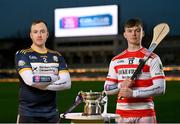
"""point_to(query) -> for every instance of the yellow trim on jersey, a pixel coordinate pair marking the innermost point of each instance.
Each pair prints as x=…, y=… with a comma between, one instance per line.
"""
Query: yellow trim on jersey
x=24, y=69
x=53, y=51
x=63, y=71
x=24, y=51
x=39, y=51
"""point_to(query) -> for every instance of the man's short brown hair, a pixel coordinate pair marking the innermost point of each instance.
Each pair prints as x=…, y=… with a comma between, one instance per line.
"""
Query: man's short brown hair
x=37, y=22
x=133, y=22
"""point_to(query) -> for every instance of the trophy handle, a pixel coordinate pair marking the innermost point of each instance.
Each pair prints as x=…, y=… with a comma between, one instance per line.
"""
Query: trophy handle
x=105, y=103
x=77, y=101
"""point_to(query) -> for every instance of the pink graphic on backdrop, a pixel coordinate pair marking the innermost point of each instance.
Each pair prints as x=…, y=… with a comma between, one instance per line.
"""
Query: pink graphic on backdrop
x=69, y=22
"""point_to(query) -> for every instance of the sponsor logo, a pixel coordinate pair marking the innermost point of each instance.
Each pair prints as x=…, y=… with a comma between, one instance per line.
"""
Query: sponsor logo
x=159, y=73
x=126, y=77
x=86, y=21
x=69, y=22
x=120, y=61
x=45, y=69
x=34, y=68
x=126, y=71
x=37, y=79
x=32, y=57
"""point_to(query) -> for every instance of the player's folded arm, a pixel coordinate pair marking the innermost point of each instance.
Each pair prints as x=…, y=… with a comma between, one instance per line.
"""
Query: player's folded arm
x=63, y=83
x=36, y=80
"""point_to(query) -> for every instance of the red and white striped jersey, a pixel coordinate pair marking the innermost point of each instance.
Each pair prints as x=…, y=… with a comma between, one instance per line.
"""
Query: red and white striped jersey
x=122, y=67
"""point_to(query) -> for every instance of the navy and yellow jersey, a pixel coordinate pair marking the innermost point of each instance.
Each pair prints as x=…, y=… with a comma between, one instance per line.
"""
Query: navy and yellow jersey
x=33, y=101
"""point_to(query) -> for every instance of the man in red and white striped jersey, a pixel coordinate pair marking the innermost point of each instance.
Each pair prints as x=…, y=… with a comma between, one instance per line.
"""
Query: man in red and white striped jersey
x=137, y=105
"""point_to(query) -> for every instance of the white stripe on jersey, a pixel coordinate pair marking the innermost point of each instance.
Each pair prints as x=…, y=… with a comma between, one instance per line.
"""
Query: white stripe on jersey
x=135, y=106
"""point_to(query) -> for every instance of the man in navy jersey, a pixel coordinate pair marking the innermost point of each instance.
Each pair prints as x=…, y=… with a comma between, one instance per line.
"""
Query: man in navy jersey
x=137, y=105
x=41, y=72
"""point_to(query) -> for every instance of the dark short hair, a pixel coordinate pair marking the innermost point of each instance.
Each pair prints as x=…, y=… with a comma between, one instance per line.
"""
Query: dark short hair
x=37, y=21
x=133, y=22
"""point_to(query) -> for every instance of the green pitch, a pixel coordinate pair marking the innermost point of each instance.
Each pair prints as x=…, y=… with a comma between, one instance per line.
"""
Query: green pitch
x=167, y=105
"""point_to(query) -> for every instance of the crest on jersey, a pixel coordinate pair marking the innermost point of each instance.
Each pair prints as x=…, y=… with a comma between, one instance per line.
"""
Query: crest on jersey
x=131, y=60
x=55, y=58
x=21, y=63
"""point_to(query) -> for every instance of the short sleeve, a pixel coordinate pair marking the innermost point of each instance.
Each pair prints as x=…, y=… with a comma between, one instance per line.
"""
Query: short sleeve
x=62, y=63
x=21, y=61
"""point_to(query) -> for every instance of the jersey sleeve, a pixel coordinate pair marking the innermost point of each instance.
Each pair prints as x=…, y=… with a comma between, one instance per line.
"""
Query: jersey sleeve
x=21, y=61
x=111, y=85
x=156, y=69
x=62, y=64
x=112, y=75
x=63, y=83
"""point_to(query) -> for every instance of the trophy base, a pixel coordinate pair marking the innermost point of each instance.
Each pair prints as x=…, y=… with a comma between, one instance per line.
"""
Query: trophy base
x=79, y=118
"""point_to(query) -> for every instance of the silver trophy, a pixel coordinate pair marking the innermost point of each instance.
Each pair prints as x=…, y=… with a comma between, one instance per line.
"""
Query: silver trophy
x=93, y=102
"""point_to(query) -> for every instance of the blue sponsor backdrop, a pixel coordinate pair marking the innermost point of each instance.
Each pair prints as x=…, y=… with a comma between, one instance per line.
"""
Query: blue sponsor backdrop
x=86, y=21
